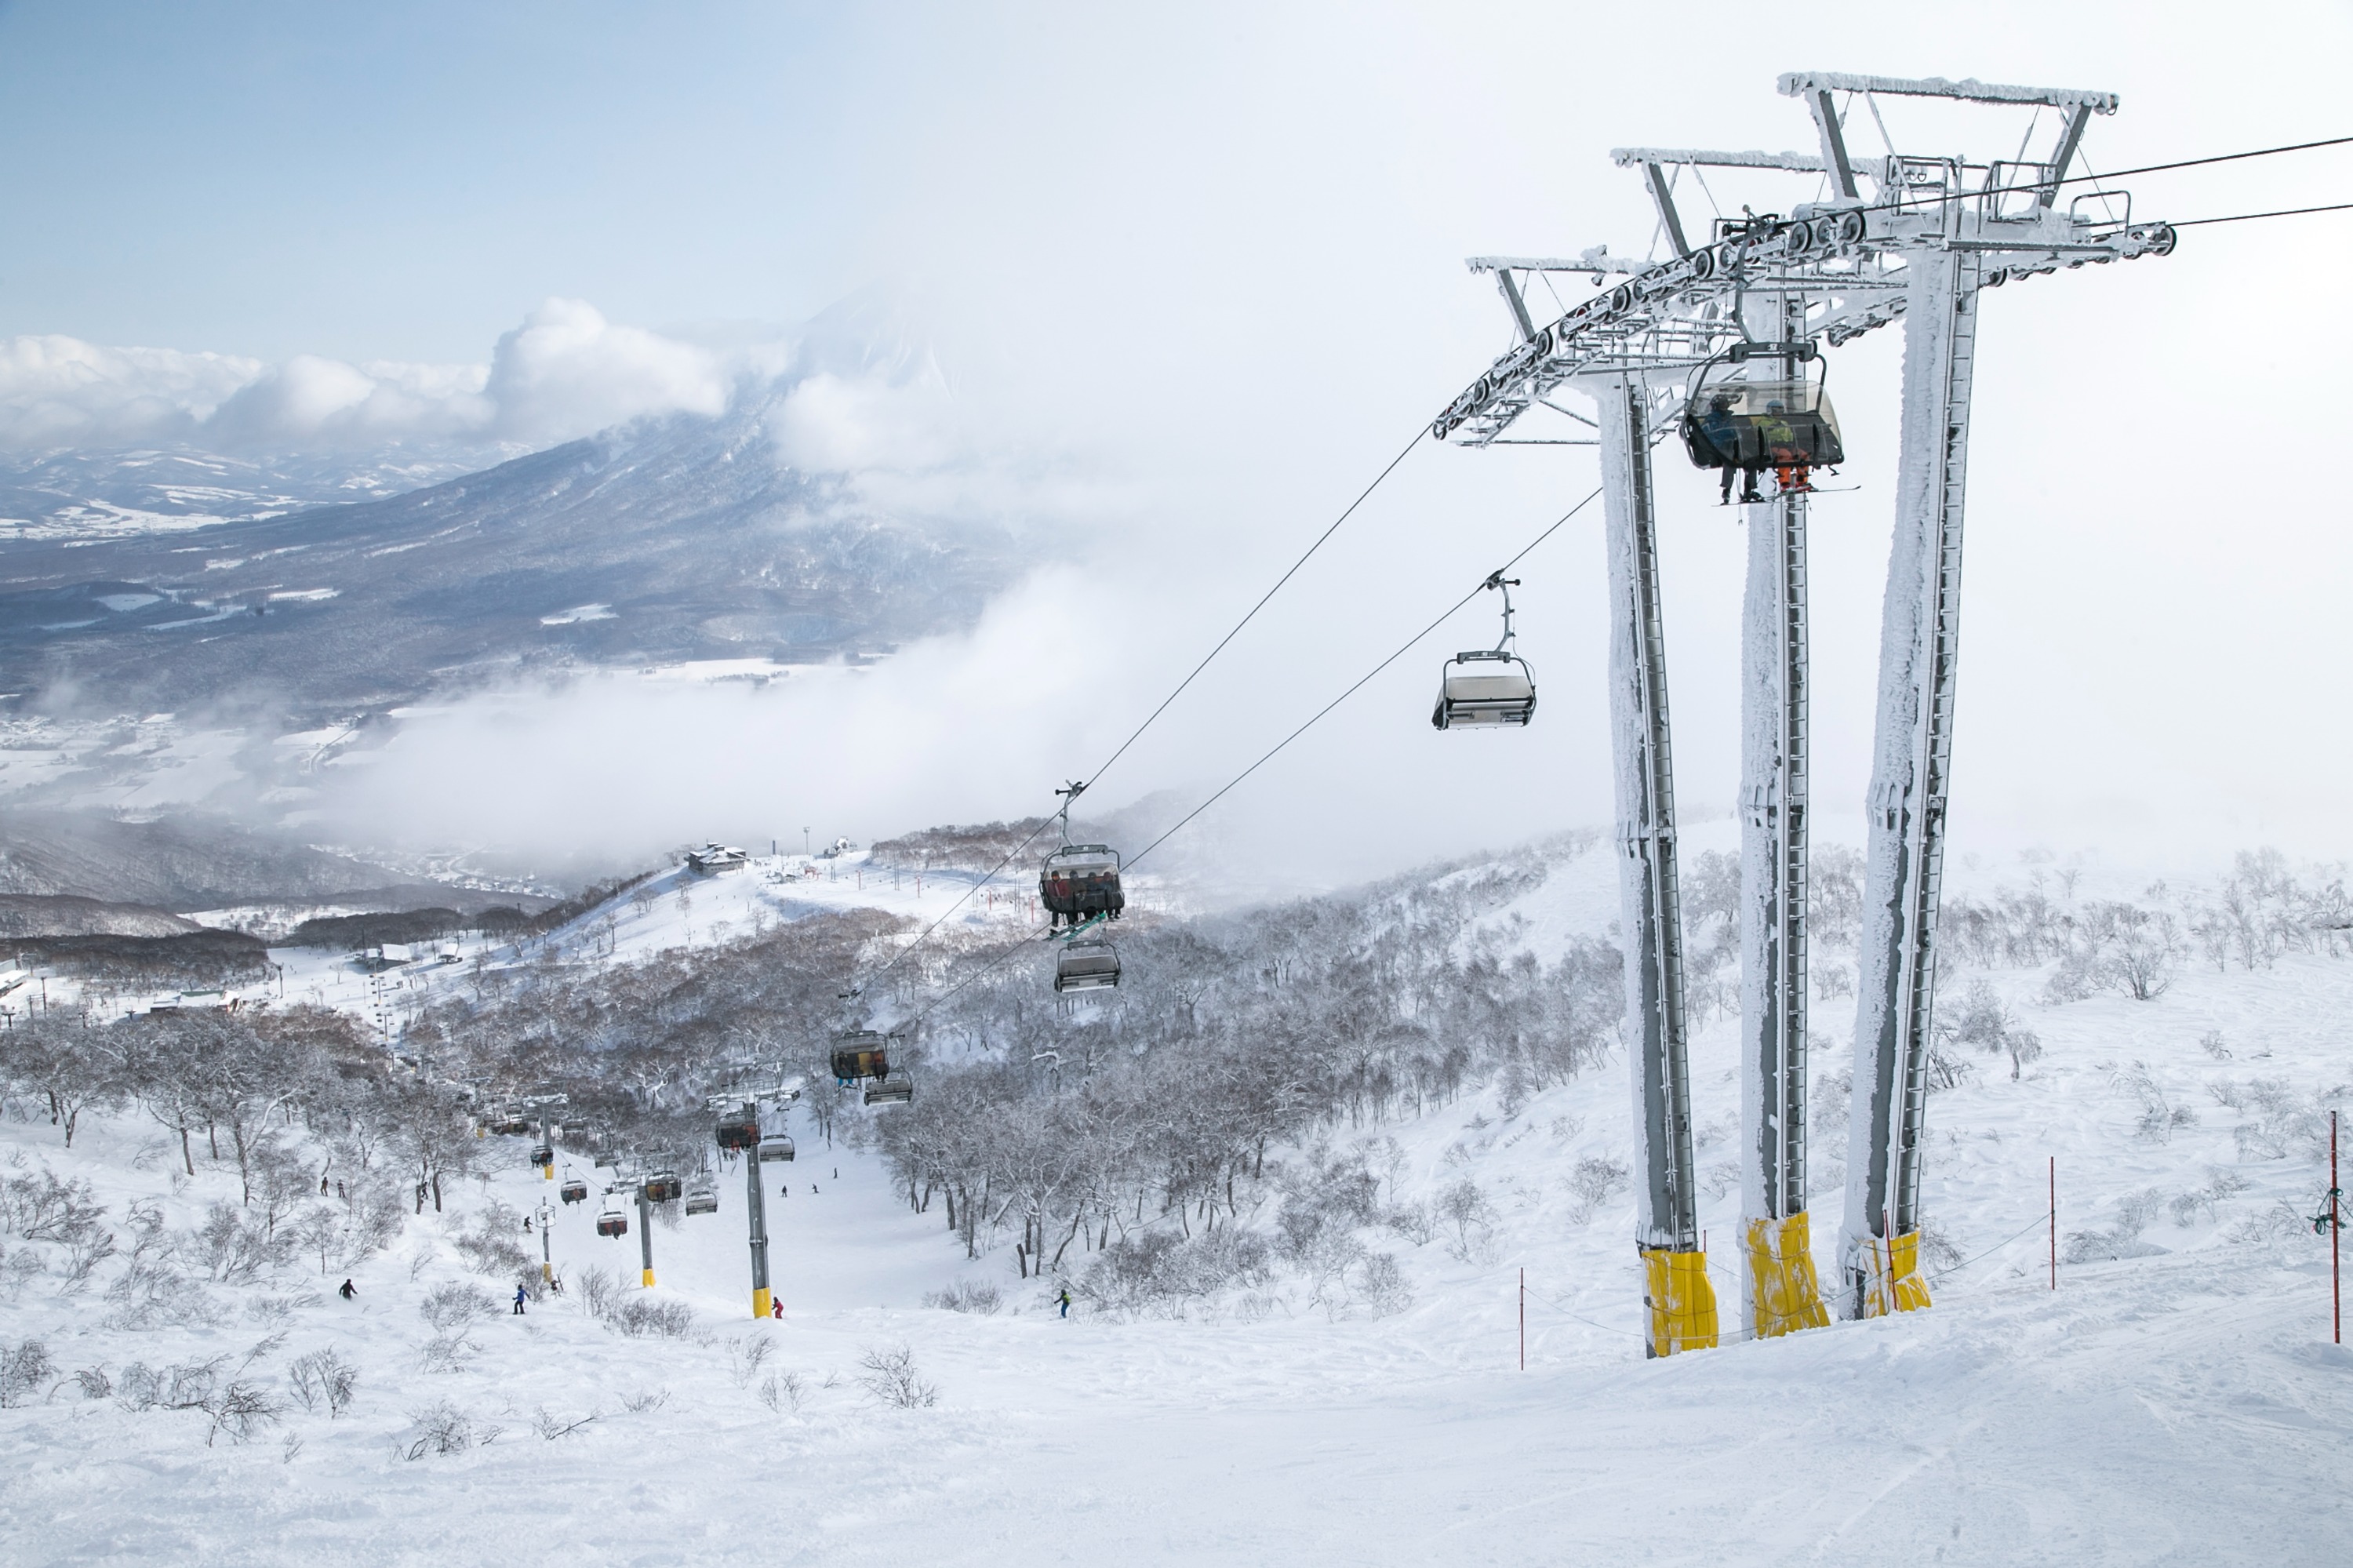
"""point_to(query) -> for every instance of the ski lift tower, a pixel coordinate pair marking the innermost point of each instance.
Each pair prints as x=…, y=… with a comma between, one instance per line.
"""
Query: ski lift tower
x=1918, y=246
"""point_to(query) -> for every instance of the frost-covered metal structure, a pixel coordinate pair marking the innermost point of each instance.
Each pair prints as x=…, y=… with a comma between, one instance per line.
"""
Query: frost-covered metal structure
x=1904, y=237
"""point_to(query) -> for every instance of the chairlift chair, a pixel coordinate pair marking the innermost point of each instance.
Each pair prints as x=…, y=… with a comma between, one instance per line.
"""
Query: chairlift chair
x=775, y=1148
x=702, y=1198
x=574, y=1191
x=543, y=1155
x=1088, y=965
x=739, y=1129
x=662, y=1187
x=1748, y=424
x=1079, y=881
x=612, y=1222
x=897, y=1089
x=1487, y=688
x=860, y=1054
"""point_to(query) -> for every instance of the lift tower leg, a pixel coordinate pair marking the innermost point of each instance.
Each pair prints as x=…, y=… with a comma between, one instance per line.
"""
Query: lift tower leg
x=1912, y=758
x=1680, y=1305
x=1784, y=1292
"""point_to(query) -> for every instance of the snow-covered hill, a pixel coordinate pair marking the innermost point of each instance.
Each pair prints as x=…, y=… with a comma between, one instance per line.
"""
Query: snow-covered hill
x=2175, y=1400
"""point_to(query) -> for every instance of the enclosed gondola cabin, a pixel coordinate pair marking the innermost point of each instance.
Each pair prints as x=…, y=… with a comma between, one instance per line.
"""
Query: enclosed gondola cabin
x=662, y=1187
x=861, y=1053
x=1751, y=425
x=1484, y=688
x=897, y=1089
x=612, y=1222
x=1079, y=881
x=775, y=1149
x=1086, y=966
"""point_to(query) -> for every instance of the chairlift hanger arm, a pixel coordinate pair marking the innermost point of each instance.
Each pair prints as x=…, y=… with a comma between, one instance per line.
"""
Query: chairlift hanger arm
x=1969, y=89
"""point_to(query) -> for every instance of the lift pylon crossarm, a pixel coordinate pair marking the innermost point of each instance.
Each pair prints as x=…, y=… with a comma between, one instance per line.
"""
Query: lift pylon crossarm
x=1969, y=89
x=1686, y=157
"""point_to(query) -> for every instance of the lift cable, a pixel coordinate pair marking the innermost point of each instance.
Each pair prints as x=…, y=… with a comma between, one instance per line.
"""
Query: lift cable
x=2122, y=174
x=1403, y=650
x=2251, y=217
x=1417, y=637
x=1362, y=497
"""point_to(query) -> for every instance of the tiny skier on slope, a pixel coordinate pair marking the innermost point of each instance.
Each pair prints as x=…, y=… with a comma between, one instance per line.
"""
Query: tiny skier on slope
x=347, y=1292
x=1065, y=1299
x=519, y=1300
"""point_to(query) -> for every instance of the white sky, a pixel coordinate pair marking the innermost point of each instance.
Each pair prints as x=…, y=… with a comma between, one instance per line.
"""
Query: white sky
x=1194, y=277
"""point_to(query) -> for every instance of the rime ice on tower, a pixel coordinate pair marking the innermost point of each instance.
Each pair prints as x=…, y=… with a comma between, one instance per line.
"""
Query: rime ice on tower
x=1729, y=332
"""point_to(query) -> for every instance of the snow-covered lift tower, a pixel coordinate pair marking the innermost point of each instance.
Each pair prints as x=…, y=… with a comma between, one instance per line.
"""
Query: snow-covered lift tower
x=1916, y=246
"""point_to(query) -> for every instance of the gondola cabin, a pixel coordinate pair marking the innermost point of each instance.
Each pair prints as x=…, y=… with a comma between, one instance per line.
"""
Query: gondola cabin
x=1758, y=425
x=1484, y=688
x=662, y=1187
x=612, y=1222
x=861, y=1053
x=1081, y=880
x=897, y=1089
x=775, y=1148
x=1086, y=966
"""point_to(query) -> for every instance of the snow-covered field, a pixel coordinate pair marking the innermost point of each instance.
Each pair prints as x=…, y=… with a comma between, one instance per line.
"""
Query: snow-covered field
x=2180, y=1405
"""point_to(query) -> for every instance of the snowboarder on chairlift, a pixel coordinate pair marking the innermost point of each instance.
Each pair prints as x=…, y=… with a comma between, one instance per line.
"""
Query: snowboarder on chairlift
x=519, y=1300
x=347, y=1292
x=1065, y=1299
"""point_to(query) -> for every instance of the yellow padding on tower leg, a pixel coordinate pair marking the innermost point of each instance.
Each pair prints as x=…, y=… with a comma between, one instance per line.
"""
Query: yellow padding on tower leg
x=1891, y=1281
x=1682, y=1302
x=1785, y=1294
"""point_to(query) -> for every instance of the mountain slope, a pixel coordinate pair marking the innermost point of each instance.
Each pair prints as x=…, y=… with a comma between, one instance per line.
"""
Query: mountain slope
x=680, y=538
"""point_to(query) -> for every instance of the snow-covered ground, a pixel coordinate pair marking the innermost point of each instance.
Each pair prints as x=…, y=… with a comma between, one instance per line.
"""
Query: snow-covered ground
x=2181, y=1405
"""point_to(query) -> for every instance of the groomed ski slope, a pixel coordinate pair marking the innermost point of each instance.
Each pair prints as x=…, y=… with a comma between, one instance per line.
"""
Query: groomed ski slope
x=2184, y=1407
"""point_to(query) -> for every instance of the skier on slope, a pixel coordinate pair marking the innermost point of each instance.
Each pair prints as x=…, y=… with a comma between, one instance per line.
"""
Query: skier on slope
x=1065, y=1299
x=519, y=1300
x=347, y=1292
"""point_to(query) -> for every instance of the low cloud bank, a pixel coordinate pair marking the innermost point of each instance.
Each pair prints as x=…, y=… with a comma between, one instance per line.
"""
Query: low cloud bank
x=566, y=372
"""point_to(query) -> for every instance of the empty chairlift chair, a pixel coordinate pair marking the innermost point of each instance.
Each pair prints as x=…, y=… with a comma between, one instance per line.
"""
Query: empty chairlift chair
x=1086, y=966
x=1487, y=688
x=775, y=1148
x=860, y=1054
x=702, y=1198
x=896, y=1089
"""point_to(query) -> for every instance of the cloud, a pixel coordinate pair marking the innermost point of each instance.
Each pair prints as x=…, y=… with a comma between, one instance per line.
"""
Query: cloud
x=566, y=372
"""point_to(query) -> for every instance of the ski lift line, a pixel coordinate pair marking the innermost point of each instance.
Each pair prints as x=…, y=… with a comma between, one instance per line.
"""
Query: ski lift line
x=2125, y=174
x=1154, y=715
x=1261, y=604
x=1526, y=551
x=1408, y=647
x=2251, y=217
